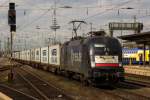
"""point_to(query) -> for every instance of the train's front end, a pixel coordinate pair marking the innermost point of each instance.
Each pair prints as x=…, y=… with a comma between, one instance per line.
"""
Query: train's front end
x=106, y=60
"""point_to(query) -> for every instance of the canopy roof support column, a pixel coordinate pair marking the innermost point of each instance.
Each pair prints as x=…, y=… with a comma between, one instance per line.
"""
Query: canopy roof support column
x=144, y=62
x=149, y=54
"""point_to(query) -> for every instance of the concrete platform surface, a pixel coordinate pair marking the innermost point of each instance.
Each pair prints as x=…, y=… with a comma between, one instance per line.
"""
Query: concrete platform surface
x=138, y=69
x=4, y=97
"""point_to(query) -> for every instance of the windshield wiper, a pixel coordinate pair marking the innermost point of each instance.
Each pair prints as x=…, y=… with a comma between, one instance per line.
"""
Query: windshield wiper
x=102, y=57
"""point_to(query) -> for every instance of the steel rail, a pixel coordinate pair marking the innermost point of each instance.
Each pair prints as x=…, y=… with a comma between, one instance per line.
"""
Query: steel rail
x=51, y=85
x=15, y=90
x=34, y=87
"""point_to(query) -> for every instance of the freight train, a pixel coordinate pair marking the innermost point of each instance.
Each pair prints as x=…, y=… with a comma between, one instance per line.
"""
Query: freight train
x=135, y=56
x=94, y=59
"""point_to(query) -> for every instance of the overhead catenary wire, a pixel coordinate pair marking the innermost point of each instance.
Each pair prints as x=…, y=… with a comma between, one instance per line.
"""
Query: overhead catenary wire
x=95, y=7
x=101, y=13
x=24, y=26
x=106, y=10
x=35, y=20
x=28, y=24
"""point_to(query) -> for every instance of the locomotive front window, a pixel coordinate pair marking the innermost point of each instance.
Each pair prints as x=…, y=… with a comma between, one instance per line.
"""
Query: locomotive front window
x=100, y=49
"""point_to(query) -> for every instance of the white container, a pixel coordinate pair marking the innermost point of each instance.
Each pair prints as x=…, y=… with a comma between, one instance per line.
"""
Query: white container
x=44, y=55
x=21, y=55
x=54, y=54
x=32, y=55
x=28, y=55
x=37, y=54
x=17, y=55
x=14, y=55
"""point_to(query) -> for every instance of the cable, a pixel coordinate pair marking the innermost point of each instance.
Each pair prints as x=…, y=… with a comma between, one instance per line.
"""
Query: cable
x=143, y=16
x=37, y=8
x=48, y=10
x=28, y=24
x=84, y=18
x=101, y=13
x=25, y=26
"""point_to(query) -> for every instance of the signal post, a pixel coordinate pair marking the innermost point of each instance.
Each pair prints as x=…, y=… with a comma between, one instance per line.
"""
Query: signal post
x=12, y=24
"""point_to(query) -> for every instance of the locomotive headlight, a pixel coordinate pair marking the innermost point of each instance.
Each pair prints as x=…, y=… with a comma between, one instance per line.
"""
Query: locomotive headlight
x=92, y=64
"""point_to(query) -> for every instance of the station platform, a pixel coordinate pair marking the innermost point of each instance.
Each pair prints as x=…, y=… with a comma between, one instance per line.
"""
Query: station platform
x=137, y=69
x=4, y=97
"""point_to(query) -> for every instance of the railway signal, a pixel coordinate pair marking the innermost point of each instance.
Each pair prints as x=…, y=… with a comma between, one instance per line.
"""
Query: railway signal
x=12, y=21
x=12, y=14
x=12, y=24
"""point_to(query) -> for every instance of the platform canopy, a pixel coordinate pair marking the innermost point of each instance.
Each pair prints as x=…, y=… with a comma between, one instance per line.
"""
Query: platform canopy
x=140, y=38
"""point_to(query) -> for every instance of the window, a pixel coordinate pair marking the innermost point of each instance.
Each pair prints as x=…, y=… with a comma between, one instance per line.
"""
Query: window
x=99, y=49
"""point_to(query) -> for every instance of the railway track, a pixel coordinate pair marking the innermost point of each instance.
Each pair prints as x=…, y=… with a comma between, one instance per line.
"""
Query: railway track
x=118, y=97
x=138, y=80
x=15, y=94
x=7, y=67
x=124, y=90
x=119, y=93
x=44, y=90
x=4, y=68
x=138, y=83
x=129, y=95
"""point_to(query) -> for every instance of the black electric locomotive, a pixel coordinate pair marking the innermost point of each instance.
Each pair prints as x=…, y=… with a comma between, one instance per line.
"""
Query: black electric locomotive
x=95, y=59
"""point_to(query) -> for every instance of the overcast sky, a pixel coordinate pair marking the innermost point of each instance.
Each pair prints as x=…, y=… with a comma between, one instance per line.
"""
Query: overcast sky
x=33, y=13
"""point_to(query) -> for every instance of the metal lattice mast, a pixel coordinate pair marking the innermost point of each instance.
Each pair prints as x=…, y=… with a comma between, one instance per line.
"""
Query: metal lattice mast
x=54, y=26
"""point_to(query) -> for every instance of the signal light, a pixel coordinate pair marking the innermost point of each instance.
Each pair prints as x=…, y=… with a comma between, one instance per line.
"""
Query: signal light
x=11, y=14
x=12, y=17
